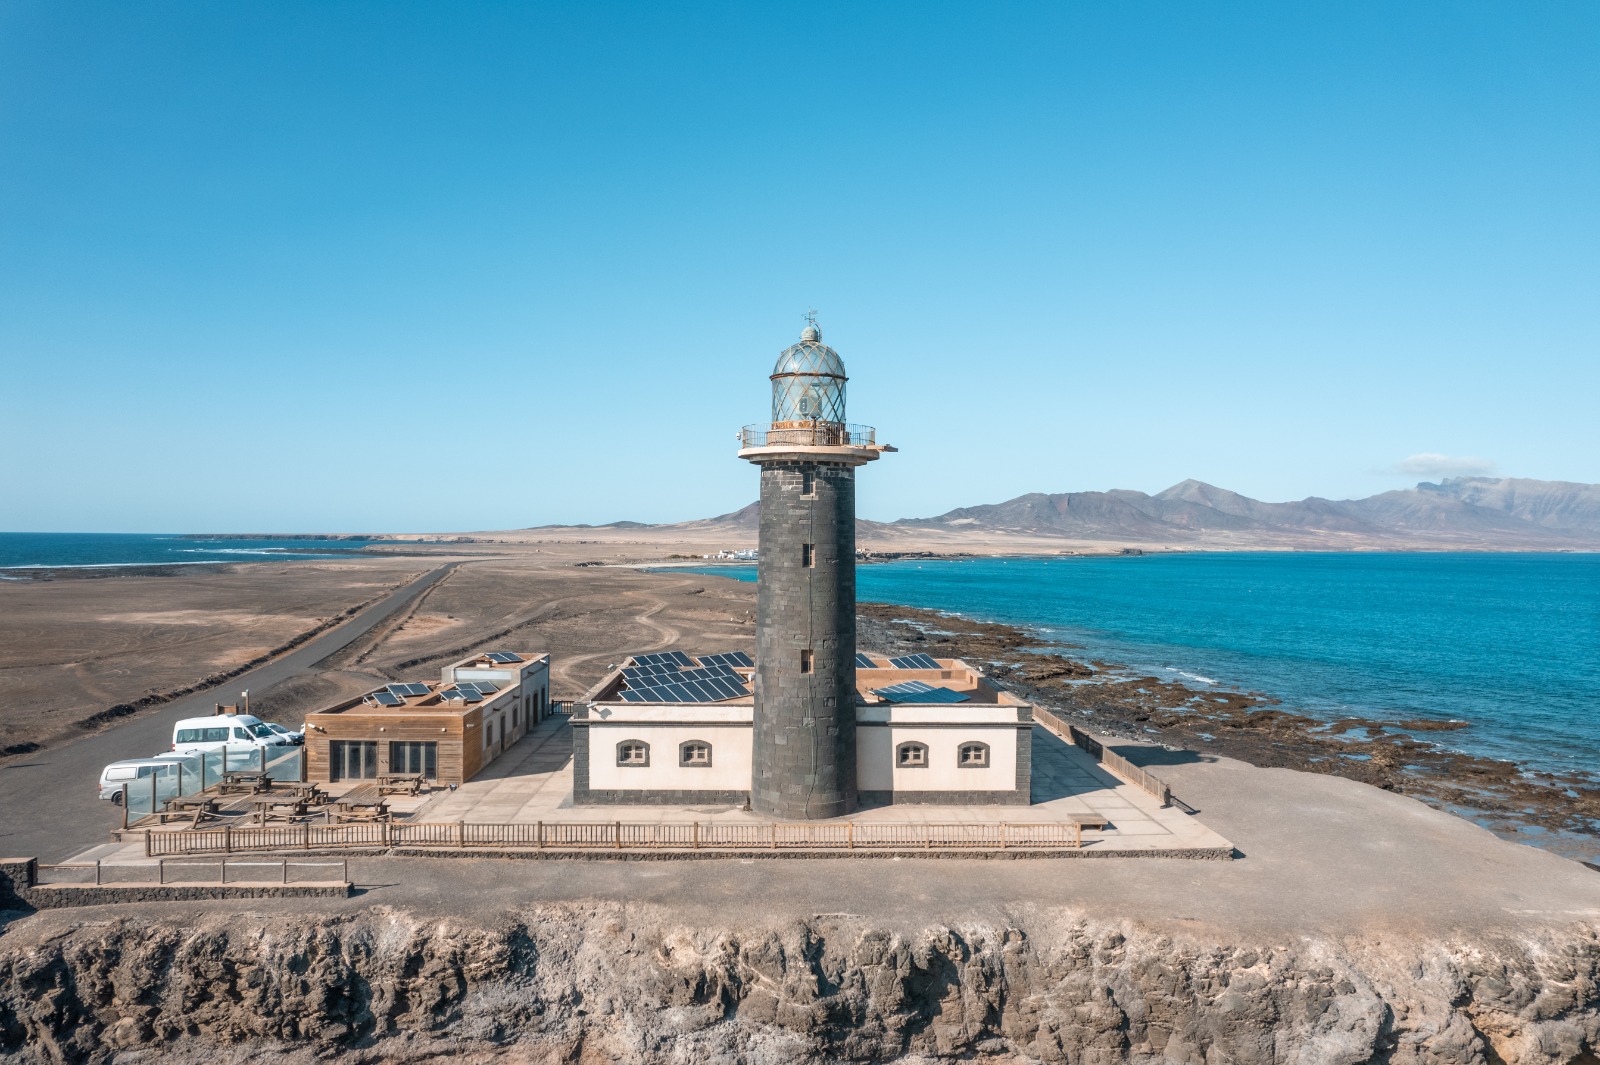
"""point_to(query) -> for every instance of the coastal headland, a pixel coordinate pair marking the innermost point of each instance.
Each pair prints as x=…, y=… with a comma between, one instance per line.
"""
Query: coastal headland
x=1358, y=923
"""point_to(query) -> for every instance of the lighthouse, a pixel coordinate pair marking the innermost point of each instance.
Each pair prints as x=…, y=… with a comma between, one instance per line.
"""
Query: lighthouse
x=803, y=764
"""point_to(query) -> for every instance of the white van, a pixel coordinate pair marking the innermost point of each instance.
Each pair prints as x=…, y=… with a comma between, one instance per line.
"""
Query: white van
x=130, y=771
x=237, y=733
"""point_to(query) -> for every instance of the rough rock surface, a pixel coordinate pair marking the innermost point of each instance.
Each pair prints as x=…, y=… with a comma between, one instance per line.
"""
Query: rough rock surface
x=610, y=982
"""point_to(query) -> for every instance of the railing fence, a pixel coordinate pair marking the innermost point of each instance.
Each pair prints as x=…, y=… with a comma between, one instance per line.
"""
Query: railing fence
x=621, y=835
x=222, y=871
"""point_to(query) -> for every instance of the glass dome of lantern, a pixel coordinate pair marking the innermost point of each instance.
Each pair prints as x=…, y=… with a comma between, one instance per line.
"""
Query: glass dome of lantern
x=808, y=382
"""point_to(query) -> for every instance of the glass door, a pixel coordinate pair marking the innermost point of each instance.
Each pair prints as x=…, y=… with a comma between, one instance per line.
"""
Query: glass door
x=352, y=760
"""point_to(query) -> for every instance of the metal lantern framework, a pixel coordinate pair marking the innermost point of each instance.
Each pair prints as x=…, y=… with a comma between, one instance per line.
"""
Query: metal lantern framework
x=808, y=383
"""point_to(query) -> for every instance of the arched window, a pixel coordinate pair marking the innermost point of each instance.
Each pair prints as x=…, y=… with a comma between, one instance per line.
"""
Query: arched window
x=694, y=753
x=633, y=753
x=973, y=755
x=911, y=756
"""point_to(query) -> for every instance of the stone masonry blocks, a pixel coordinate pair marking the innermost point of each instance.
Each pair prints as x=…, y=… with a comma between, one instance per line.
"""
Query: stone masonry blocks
x=804, y=764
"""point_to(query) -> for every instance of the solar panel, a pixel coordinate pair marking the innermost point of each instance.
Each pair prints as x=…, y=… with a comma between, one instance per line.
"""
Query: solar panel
x=387, y=698
x=487, y=687
x=632, y=696
x=409, y=690
x=705, y=673
x=918, y=661
x=731, y=689
x=863, y=662
x=728, y=658
x=909, y=687
x=504, y=656
x=670, y=658
x=915, y=691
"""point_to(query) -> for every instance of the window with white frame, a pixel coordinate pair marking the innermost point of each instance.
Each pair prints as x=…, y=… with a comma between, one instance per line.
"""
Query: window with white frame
x=911, y=756
x=633, y=753
x=973, y=755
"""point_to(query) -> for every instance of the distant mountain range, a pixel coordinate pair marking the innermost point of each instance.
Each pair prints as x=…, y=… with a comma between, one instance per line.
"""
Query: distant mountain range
x=1470, y=513
x=1463, y=512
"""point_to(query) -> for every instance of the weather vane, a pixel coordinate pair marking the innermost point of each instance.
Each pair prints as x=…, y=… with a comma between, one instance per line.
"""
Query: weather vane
x=811, y=317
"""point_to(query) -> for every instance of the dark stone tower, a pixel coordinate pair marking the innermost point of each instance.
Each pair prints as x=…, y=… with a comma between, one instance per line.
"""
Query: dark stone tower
x=804, y=764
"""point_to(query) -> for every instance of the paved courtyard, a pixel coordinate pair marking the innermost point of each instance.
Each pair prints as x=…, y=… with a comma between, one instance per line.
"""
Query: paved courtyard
x=533, y=782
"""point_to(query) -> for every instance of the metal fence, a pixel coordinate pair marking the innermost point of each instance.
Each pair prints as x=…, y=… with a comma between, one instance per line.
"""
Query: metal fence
x=189, y=871
x=623, y=836
x=1139, y=778
x=815, y=434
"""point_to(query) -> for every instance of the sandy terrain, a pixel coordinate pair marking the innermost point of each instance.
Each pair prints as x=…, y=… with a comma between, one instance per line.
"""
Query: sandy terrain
x=71, y=649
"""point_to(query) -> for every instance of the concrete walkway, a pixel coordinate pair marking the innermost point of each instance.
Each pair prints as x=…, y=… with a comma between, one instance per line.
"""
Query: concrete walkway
x=533, y=782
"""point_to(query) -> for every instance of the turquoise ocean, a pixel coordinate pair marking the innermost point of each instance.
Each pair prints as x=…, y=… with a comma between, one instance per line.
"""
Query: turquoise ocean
x=1507, y=642
x=22, y=551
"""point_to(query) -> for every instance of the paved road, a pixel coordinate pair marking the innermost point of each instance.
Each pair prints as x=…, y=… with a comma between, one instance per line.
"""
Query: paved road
x=49, y=802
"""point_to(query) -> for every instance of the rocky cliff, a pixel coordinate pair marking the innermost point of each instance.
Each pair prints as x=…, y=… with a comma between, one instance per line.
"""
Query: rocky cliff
x=616, y=983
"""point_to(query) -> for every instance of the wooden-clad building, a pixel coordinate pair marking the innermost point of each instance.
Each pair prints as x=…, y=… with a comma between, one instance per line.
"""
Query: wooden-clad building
x=445, y=731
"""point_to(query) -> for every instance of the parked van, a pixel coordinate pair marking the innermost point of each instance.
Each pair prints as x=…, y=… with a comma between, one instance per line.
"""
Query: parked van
x=131, y=771
x=237, y=733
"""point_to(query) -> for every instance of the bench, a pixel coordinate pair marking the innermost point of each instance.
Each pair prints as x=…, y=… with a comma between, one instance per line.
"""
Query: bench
x=1091, y=821
x=353, y=813
x=281, y=809
x=399, y=783
x=195, y=811
x=244, y=784
x=310, y=794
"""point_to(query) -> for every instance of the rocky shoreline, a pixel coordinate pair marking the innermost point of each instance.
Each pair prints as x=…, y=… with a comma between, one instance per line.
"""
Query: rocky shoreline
x=1560, y=812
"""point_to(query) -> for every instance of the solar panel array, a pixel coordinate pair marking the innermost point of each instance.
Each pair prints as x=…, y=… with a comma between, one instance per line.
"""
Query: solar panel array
x=386, y=698
x=672, y=658
x=504, y=657
x=674, y=677
x=914, y=662
x=707, y=688
x=916, y=691
x=728, y=658
x=863, y=662
x=470, y=691
x=407, y=691
x=653, y=669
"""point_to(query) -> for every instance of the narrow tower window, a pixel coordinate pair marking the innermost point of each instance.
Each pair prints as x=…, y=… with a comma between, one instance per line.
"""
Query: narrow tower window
x=805, y=661
x=808, y=555
x=808, y=483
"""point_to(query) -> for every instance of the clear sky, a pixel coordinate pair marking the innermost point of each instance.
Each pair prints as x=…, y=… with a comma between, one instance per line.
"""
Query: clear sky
x=334, y=266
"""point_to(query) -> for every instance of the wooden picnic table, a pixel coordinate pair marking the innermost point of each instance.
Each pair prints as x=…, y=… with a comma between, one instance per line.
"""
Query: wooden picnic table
x=195, y=810
x=399, y=783
x=278, y=809
x=244, y=784
x=358, y=811
x=308, y=793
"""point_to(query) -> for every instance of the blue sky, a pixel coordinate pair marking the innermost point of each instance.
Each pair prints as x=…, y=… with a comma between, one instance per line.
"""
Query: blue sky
x=389, y=267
